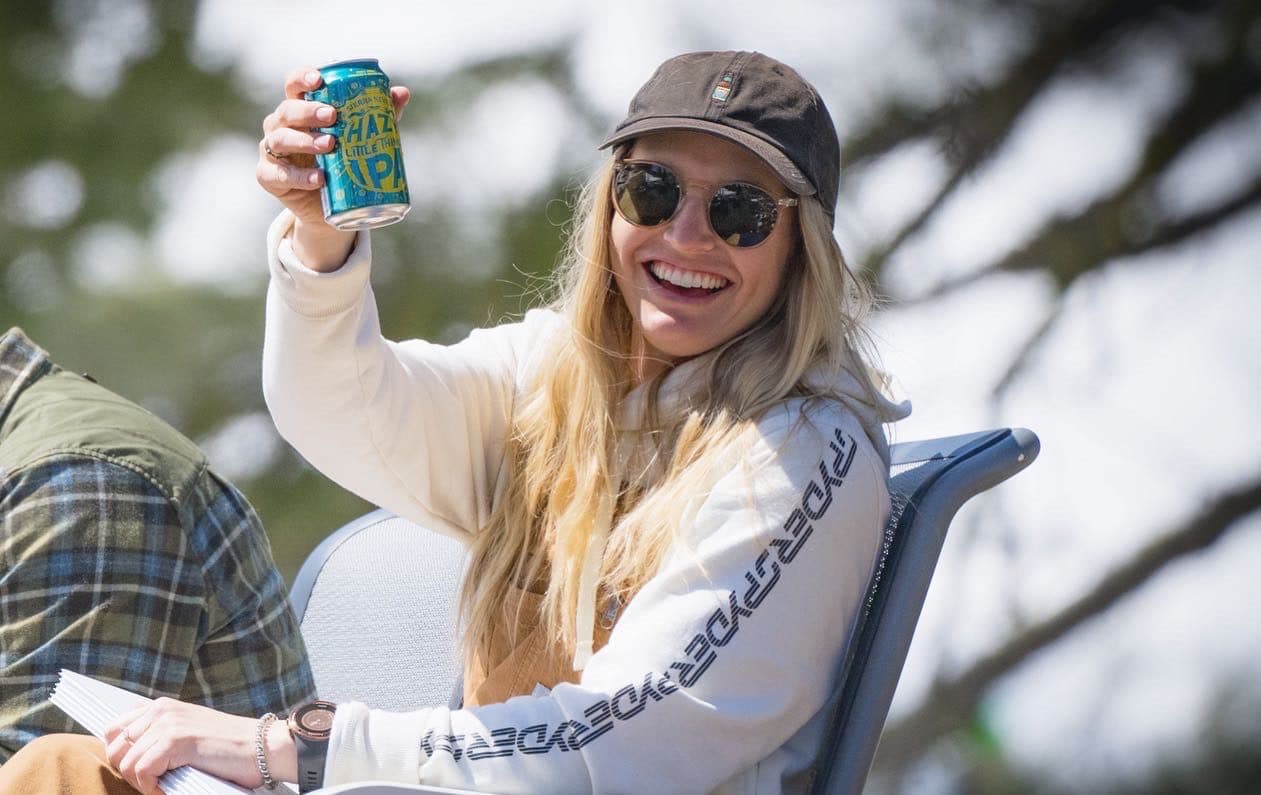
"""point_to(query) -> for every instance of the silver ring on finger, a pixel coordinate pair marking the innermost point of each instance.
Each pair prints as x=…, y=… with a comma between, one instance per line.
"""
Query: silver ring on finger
x=270, y=153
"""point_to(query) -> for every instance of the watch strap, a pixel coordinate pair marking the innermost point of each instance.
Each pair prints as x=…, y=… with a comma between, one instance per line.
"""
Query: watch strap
x=310, y=726
x=311, y=757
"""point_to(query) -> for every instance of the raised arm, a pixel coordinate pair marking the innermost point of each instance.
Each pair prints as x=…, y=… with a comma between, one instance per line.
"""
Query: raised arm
x=414, y=427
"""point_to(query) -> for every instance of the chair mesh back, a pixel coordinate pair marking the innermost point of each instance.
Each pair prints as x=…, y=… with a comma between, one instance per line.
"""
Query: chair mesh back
x=905, y=480
x=380, y=624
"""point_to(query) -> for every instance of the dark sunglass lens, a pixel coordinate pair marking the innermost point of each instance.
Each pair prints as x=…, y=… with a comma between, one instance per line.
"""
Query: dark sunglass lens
x=646, y=194
x=742, y=215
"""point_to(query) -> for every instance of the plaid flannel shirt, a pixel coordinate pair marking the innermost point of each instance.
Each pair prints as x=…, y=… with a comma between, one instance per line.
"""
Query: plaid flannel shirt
x=122, y=556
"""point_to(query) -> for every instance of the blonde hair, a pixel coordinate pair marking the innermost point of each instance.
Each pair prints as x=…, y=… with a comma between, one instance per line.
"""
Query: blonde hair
x=562, y=444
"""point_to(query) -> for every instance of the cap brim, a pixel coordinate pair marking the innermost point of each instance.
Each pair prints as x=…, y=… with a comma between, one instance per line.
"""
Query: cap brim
x=783, y=167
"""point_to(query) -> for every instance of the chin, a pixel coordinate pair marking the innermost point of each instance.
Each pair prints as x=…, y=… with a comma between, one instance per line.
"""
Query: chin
x=676, y=348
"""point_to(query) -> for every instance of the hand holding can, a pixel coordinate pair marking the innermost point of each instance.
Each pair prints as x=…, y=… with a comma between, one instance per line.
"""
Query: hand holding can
x=293, y=137
x=365, y=185
x=286, y=154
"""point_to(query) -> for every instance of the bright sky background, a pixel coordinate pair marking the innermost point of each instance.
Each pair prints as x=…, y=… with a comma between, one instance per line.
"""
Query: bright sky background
x=1144, y=397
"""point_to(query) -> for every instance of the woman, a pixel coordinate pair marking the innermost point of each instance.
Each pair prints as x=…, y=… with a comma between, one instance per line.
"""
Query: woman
x=672, y=481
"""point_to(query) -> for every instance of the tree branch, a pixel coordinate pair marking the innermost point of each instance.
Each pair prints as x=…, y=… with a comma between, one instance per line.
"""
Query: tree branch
x=1105, y=229
x=951, y=703
x=1020, y=362
x=1080, y=244
x=976, y=122
x=977, y=119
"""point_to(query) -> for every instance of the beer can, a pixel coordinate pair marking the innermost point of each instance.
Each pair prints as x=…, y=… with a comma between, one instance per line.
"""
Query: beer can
x=364, y=183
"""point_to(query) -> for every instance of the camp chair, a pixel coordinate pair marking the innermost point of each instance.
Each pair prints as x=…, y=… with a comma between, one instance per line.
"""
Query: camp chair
x=377, y=600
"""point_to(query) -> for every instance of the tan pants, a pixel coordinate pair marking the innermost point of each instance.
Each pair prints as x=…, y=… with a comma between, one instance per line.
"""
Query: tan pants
x=62, y=764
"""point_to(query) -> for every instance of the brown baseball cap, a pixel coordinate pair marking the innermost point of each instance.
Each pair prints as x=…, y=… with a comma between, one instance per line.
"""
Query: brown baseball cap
x=751, y=99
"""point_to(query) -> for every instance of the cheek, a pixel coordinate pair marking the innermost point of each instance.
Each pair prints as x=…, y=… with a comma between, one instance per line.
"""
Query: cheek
x=773, y=276
x=626, y=243
x=620, y=256
x=617, y=249
x=622, y=241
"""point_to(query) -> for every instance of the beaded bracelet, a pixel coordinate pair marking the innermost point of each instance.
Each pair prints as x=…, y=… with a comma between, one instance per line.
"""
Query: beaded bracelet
x=260, y=749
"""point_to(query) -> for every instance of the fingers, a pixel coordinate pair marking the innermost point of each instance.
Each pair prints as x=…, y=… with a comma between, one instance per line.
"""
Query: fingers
x=116, y=747
x=400, y=96
x=121, y=740
x=299, y=114
x=301, y=80
x=144, y=763
x=131, y=755
x=282, y=142
x=150, y=763
x=124, y=720
x=139, y=749
x=286, y=152
x=120, y=735
x=280, y=176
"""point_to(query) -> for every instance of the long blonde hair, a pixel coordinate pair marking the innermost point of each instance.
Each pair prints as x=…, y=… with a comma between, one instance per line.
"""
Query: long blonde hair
x=562, y=444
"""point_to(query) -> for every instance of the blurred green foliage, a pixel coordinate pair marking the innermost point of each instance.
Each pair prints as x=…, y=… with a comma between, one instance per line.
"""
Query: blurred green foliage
x=192, y=353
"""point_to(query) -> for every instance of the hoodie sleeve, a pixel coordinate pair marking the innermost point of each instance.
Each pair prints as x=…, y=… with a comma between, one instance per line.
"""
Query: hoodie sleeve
x=717, y=662
x=414, y=427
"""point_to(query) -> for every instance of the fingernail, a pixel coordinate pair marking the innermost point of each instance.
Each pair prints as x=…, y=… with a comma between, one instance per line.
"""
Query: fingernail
x=314, y=179
x=312, y=78
x=324, y=114
x=323, y=141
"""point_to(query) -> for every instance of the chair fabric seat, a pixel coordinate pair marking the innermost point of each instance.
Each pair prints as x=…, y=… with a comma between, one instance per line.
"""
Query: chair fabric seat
x=380, y=614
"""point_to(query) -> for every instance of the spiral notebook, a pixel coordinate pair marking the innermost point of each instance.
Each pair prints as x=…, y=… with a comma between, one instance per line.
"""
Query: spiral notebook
x=95, y=705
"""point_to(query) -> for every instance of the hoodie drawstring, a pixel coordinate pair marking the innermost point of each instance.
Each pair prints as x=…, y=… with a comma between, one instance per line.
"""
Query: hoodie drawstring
x=587, y=582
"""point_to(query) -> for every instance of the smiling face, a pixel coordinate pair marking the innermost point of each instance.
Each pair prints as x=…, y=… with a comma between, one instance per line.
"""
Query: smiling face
x=688, y=291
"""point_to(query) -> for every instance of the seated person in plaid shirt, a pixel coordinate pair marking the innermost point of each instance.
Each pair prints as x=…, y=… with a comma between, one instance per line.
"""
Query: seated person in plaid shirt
x=124, y=557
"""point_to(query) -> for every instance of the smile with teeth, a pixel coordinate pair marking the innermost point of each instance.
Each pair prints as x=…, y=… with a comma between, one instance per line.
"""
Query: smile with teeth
x=687, y=279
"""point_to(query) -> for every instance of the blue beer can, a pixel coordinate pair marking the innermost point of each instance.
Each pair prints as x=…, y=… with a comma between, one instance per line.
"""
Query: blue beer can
x=364, y=183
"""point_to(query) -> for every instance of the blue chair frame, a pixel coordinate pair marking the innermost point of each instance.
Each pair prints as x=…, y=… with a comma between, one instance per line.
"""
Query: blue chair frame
x=930, y=480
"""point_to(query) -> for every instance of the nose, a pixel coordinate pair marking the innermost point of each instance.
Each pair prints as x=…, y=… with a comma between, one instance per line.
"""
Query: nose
x=689, y=229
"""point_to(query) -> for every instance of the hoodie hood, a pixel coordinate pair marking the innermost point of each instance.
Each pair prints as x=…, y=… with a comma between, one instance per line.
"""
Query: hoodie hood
x=685, y=380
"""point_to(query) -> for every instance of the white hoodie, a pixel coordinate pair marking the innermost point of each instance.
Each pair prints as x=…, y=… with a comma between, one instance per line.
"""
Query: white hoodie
x=713, y=675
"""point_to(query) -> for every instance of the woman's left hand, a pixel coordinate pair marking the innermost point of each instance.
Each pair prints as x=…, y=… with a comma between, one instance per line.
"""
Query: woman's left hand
x=166, y=734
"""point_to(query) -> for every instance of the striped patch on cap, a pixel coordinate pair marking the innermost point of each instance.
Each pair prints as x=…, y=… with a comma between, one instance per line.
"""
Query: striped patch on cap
x=723, y=90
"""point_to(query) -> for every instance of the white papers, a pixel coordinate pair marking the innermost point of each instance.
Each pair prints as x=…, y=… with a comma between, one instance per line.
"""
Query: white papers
x=96, y=705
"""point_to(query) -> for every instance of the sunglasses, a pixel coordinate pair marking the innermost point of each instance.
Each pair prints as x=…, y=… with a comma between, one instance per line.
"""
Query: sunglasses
x=649, y=194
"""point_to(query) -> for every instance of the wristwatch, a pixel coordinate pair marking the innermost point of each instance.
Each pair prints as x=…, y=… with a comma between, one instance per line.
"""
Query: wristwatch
x=310, y=725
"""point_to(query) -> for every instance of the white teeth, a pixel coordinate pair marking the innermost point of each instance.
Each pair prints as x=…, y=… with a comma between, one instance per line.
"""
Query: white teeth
x=682, y=278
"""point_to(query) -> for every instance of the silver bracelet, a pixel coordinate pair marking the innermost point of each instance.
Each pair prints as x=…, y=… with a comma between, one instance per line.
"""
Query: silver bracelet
x=260, y=749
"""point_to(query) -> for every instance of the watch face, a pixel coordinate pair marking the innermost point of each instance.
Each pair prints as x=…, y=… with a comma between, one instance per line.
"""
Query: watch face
x=315, y=720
